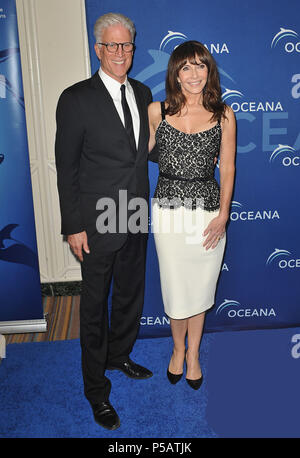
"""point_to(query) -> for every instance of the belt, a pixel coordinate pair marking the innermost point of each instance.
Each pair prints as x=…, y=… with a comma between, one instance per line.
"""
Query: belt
x=175, y=177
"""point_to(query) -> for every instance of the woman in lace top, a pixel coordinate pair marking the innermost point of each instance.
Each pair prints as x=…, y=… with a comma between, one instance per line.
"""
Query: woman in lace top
x=192, y=129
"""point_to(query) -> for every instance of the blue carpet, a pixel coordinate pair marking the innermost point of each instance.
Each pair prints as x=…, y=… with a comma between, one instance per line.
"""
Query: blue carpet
x=254, y=383
x=250, y=389
x=41, y=395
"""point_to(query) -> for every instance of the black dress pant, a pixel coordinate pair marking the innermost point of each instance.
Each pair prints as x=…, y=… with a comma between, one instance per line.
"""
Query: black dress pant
x=107, y=341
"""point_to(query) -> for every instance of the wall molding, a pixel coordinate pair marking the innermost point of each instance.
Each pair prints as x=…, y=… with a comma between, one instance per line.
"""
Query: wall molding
x=48, y=33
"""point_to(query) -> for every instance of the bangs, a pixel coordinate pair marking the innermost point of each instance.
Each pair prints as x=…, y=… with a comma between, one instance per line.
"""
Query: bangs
x=192, y=52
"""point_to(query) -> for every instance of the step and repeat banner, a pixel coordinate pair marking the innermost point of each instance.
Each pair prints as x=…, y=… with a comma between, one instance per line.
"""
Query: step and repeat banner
x=257, y=50
x=20, y=293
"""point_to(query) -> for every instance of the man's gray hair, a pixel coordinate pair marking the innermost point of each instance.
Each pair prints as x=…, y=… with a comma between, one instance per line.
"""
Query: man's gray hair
x=112, y=19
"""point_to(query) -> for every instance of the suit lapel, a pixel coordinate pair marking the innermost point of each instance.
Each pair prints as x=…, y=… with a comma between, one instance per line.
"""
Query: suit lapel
x=107, y=102
x=108, y=106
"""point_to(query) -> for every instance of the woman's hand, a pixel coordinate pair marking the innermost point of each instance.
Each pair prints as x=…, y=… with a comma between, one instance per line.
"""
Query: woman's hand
x=215, y=231
x=216, y=228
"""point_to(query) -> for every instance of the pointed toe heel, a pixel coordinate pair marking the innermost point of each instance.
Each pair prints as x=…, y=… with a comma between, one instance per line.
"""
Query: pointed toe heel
x=173, y=378
x=195, y=384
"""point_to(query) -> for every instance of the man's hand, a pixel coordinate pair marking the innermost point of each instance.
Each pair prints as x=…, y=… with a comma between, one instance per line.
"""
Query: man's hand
x=77, y=242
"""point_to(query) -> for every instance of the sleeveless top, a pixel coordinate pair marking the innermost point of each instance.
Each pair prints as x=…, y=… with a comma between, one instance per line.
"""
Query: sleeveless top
x=186, y=167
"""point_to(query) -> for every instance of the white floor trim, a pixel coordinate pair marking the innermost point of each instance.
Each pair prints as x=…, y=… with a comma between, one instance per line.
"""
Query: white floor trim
x=22, y=326
x=2, y=347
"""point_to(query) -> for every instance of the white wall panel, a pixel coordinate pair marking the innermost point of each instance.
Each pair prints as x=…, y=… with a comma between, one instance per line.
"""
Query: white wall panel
x=54, y=55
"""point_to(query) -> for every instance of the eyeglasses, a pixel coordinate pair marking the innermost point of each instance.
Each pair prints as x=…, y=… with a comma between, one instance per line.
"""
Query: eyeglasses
x=113, y=47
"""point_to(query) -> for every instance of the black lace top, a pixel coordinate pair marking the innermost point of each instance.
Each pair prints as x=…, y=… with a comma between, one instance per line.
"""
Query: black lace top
x=186, y=167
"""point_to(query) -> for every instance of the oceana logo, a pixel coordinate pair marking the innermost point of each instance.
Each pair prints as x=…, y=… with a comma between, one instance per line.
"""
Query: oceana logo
x=234, y=309
x=238, y=213
x=217, y=48
x=154, y=321
x=289, y=46
x=277, y=252
x=288, y=156
x=278, y=257
x=249, y=106
x=226, y=304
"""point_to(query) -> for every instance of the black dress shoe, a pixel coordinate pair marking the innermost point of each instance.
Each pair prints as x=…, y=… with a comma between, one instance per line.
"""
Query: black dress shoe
x=105, y=415
x=195, y=384
x=131, y=369
x=173, y=378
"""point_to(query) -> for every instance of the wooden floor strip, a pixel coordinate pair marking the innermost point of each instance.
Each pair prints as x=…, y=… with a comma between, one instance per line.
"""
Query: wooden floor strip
x=62, y=316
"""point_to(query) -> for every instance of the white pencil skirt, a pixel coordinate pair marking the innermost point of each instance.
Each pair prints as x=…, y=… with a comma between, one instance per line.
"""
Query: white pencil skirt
x=188, y=272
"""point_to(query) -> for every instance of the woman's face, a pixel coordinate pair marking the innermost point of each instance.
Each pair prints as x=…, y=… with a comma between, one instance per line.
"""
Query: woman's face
x=193, y=76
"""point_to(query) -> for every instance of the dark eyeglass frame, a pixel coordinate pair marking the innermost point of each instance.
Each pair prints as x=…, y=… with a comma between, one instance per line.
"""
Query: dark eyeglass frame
x=118, y=44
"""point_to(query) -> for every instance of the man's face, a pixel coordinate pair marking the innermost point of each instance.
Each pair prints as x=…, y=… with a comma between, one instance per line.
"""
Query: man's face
x=118, y=63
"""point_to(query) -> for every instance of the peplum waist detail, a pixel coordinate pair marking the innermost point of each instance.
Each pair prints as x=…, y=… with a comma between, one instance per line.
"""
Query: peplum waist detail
x=190, y=193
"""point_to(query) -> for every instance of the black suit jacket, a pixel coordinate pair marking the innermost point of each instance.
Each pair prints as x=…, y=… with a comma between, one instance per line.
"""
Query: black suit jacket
x=94, y=158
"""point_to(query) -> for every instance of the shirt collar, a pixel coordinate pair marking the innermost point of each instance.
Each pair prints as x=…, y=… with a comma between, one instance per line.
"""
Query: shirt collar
x=112, y=85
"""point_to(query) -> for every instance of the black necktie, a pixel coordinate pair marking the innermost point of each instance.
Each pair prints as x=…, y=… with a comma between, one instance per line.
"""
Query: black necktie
x=127, y=118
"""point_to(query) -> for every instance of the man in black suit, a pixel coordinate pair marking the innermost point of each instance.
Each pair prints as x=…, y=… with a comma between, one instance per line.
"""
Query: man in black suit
x=102, y=151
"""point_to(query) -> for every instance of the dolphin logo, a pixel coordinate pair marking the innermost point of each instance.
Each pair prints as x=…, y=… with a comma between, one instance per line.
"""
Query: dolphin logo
x=282, y=34
x=231, y=93
x=281, y=149
x=277, y=252
x=234, y=203
x=18, y=252
x=171, y=36
x=227, y=303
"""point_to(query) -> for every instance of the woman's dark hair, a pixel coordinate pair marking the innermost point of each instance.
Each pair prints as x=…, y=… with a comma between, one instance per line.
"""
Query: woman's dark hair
x=212, y=96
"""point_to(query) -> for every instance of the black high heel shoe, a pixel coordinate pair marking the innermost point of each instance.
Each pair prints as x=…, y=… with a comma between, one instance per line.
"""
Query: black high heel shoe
x=195, y=384
x=173, y=378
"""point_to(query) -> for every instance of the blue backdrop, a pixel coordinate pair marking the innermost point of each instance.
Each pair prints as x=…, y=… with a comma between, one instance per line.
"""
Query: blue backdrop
x=257, y=49
x=20, y=292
